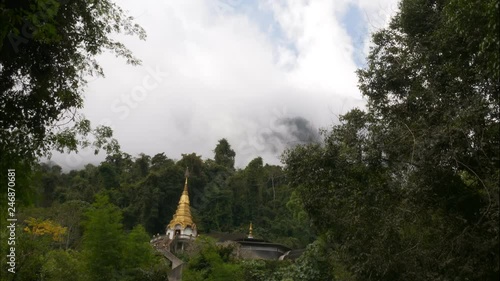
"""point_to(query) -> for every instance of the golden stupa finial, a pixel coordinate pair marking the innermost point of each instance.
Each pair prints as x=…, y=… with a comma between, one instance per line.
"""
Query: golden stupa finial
x=250, y=231
x=186, y=175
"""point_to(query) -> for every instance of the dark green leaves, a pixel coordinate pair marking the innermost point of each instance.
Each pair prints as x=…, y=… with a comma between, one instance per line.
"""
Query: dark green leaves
x=46, y=49
x=408, y=189
x=224, y=155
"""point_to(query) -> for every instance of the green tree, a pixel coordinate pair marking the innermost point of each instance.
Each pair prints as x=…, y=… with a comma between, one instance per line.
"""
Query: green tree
x=314, y=265
x=140, y=261
x=142, y=165
x=255, y=177
x=83, y=185
x=153, y=199
x=63, y=265
x=47, y=49
x=224, y=155
x=70, y=215
x=216, y=213
x=49, y=181
x=160, y=161
x=103, y=240
x=123, y=166
x=404, y=191
x=197, y=177
x=193, y=162
x=268, y=270
x=29, y=255
x=211, y=262
x=108, y=177
x=432, y=79
x=477, y=22
x=240, y=206
x=138, y=251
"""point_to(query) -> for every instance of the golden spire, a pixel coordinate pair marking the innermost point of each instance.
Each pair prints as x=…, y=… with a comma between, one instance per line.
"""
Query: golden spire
x=182, y=215
x=250, y=229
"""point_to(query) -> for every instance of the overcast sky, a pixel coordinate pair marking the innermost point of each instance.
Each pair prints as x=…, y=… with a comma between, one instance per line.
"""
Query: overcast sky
x=263, y=74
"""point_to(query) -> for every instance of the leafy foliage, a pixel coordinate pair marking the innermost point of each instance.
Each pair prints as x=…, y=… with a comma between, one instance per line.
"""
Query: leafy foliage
x=103, y=227
x=108, y=252
x=211, y=263
x=63, y=265
x=224, y=155
x=39, y=227
x=47, y=49
x=408, y=190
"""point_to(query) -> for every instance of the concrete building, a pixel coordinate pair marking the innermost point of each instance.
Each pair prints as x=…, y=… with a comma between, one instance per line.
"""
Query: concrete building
x=249, y=247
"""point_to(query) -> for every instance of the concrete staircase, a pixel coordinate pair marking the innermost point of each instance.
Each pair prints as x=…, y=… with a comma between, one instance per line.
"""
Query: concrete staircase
x=161, y=244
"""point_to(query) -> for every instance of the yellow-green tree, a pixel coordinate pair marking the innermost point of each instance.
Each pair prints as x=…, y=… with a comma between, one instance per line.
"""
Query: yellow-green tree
x=39, y=227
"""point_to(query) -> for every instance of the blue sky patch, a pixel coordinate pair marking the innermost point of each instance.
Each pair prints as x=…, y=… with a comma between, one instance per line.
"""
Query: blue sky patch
x=354, y=23
x=265, y=21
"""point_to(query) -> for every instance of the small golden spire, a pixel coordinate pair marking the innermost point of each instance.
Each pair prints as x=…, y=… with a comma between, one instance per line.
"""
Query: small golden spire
x=250, y=230
x=186, y=175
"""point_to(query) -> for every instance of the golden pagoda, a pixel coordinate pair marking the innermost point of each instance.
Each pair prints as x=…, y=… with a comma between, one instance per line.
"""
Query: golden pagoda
x=182, y=224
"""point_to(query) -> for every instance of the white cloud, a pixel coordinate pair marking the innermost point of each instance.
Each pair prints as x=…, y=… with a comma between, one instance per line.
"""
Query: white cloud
x=226, y=76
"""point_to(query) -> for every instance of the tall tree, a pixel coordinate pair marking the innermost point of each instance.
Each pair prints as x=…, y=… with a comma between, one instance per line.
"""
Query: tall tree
x=47, y=49
x=255, y=184
x=211, y=262
x=160, y=161
x=197, y=177
x=409, y=189
x=104, y=240
x=142, y=165
x=138, y=252
x=63, y=265
x=224, y=155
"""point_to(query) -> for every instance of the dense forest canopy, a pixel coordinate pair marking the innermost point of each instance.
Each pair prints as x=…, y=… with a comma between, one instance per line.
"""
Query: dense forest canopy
x=405, y=189
x=147, y=190
x=125, y=200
